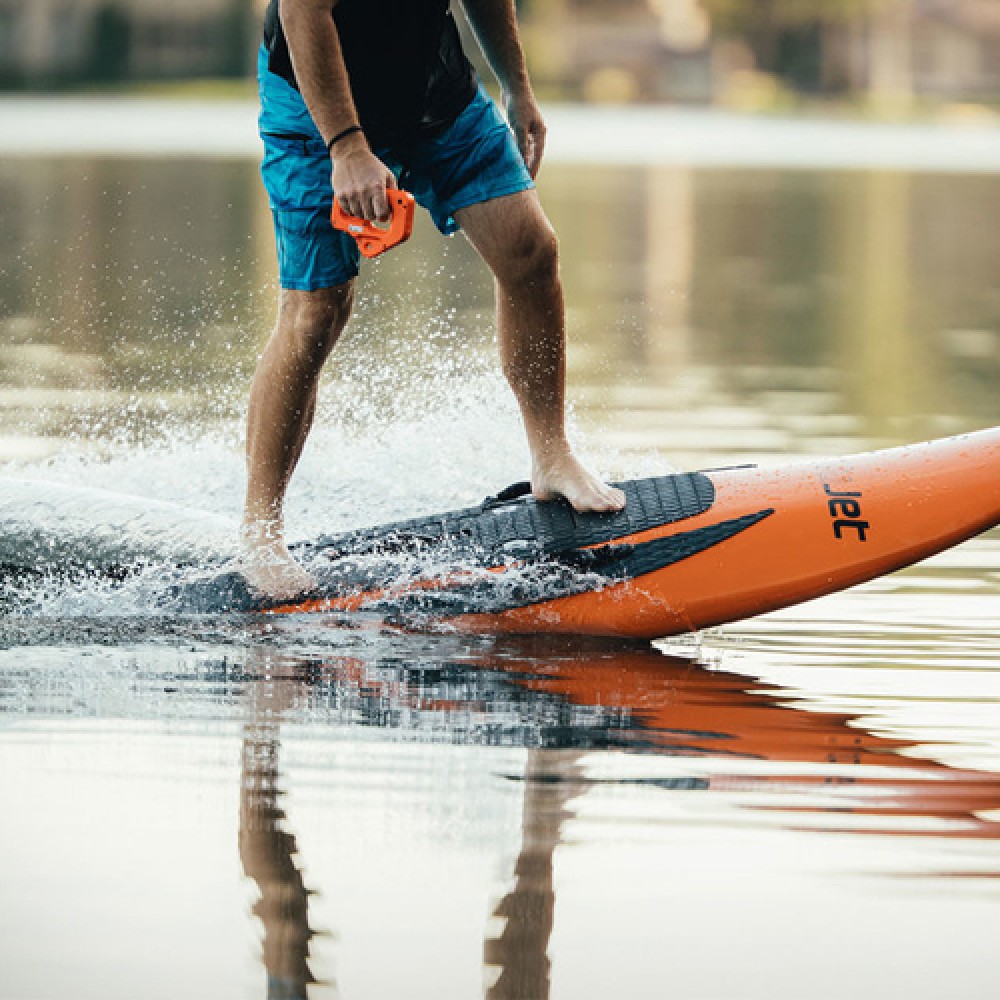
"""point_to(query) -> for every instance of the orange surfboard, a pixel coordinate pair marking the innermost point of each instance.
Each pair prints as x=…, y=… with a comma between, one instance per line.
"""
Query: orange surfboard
x=690, y=550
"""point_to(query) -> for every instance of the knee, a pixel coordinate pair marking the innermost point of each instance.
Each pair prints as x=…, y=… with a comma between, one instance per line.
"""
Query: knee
x=311, y=322
x=533, y=258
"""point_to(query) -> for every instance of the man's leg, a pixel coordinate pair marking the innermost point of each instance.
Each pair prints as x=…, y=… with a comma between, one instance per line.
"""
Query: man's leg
x=518, y=243
x=282, y=405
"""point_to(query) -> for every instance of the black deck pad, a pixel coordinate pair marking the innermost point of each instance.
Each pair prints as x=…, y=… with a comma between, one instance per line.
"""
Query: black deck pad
x=494, y=531
x=446, y=564
x=552, y=550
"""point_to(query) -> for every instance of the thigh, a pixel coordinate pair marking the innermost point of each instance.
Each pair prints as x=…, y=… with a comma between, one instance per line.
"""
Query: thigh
x=507, y=230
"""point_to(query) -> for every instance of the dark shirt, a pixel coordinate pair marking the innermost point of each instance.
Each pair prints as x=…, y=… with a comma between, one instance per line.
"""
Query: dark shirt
x=409, y=76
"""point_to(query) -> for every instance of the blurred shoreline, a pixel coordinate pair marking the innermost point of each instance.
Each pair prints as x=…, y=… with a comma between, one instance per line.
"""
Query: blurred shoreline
x=637, y=135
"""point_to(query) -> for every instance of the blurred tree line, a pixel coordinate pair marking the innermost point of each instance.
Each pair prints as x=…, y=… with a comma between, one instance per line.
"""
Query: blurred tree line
x=786, y=36
x=743, y=53
x=891, y=53
x=57, y=44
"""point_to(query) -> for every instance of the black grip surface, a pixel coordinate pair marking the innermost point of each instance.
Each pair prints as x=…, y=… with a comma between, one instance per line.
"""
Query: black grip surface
x=526, y=526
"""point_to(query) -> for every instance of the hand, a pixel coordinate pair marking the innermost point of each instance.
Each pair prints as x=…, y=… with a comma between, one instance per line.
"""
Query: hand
x=529, y=128
x=360, y=180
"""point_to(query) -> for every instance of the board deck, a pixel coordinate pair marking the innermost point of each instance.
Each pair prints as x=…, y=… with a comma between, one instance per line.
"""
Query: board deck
x=689, y=551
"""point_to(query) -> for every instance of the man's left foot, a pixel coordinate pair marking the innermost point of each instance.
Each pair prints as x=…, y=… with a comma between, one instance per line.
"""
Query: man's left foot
x=268, y=566
x=564, y=476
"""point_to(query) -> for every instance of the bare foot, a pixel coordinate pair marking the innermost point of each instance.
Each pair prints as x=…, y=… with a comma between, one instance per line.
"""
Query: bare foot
x=268, y=566
x=565, y=476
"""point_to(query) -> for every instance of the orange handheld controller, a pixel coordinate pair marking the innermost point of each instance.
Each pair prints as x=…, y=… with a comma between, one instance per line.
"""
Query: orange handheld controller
x=372, y=238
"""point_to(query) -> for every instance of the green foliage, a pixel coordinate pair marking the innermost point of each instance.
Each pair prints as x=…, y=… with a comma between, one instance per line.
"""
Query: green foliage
x=111, y=36
x=239, y=30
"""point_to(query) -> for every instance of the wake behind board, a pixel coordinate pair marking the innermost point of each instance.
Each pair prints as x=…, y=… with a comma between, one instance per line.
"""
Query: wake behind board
x=689, y=551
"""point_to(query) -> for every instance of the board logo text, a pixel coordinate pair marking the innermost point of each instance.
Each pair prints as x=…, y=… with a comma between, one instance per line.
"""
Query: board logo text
x=845, y=510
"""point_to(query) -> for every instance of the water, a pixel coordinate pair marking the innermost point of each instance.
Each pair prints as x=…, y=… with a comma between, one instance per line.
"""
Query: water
x=807, y=804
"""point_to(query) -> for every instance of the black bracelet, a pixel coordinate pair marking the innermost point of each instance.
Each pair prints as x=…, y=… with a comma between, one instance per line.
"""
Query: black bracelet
x=342, y=134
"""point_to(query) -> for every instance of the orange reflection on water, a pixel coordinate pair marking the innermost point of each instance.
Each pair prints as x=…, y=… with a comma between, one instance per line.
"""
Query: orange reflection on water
x=729, y=734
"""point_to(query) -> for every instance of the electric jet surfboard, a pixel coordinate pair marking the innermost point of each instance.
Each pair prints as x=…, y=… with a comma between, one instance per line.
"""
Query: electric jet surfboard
x=689, y=551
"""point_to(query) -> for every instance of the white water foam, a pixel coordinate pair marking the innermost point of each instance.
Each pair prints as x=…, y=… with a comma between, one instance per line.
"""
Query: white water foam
x=384, y=447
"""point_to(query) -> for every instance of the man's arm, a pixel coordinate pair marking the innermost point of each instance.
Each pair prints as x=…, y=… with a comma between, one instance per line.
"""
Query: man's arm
x=495, y=25
x=360, y=179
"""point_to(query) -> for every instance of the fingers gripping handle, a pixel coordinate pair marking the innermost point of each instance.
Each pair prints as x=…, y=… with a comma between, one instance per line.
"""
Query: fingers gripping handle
x=373, y=239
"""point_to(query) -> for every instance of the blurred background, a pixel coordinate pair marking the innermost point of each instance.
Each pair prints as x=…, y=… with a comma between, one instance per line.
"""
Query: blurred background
x=891, y=55
x=780, y=228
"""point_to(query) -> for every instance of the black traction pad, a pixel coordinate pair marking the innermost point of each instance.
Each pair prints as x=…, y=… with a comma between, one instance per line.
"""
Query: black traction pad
x=445, y=565
x=496, y=530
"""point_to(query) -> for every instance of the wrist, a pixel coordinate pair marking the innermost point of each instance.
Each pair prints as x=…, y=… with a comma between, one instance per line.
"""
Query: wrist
x=518, y=89
x=348, y=148
x=347, y=139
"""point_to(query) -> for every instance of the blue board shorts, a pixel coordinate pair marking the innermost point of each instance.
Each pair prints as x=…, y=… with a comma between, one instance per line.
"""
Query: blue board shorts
x=474, y=160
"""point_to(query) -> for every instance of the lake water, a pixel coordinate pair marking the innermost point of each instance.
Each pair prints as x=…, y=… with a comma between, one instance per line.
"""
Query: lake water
x=803, y=805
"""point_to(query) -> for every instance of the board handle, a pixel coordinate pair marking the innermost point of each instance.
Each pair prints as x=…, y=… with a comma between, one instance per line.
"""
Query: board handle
x=372, y=237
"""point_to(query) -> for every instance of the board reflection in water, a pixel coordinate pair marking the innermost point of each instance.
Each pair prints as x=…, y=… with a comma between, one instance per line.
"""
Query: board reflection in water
x=572, y=710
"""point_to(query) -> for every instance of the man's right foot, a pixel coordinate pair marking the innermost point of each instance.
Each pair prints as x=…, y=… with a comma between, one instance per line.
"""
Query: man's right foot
x=268, y=566
x=564, y=475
